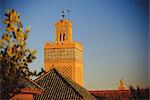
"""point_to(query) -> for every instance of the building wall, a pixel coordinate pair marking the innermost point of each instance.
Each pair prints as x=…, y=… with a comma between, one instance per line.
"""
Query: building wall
x=22, y=97
x=121, y=94
x=64, y=54
x=112, y=94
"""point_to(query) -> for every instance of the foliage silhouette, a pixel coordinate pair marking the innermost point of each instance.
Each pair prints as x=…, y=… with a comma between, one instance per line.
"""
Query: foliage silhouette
x=14, y=56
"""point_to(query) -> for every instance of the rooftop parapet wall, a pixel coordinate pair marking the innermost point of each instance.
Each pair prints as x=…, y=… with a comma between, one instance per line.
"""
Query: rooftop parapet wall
x=74, y=44
x=63, y=22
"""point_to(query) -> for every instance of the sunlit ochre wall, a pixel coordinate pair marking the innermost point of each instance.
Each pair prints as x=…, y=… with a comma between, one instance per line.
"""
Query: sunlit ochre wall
x=65, y=54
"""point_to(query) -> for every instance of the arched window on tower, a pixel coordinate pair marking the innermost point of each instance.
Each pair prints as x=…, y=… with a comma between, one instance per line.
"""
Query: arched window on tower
x=63, y=37
x=60, y=37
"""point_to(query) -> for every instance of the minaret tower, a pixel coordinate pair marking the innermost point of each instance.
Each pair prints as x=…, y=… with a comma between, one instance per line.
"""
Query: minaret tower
x=64, y=54
x=121, y=85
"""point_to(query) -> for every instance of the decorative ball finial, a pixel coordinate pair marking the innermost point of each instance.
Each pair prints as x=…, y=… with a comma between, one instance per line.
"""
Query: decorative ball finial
x=63, y=14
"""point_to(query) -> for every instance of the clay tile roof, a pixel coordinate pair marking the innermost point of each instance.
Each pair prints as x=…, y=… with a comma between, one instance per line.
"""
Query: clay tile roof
x=28, y=83
x=59, y=87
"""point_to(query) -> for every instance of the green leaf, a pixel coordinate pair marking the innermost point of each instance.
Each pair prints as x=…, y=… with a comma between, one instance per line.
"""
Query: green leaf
x=28, y=29
x=33, y=52
x=8, y=11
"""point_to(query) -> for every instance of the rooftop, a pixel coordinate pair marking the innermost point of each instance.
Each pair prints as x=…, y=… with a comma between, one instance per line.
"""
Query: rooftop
x=58, y=87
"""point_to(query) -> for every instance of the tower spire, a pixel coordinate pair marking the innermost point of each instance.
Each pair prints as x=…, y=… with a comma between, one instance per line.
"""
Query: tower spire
x=68, y=11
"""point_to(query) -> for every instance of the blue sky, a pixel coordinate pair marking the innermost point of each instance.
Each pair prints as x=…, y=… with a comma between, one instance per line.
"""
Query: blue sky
x=114, y=34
